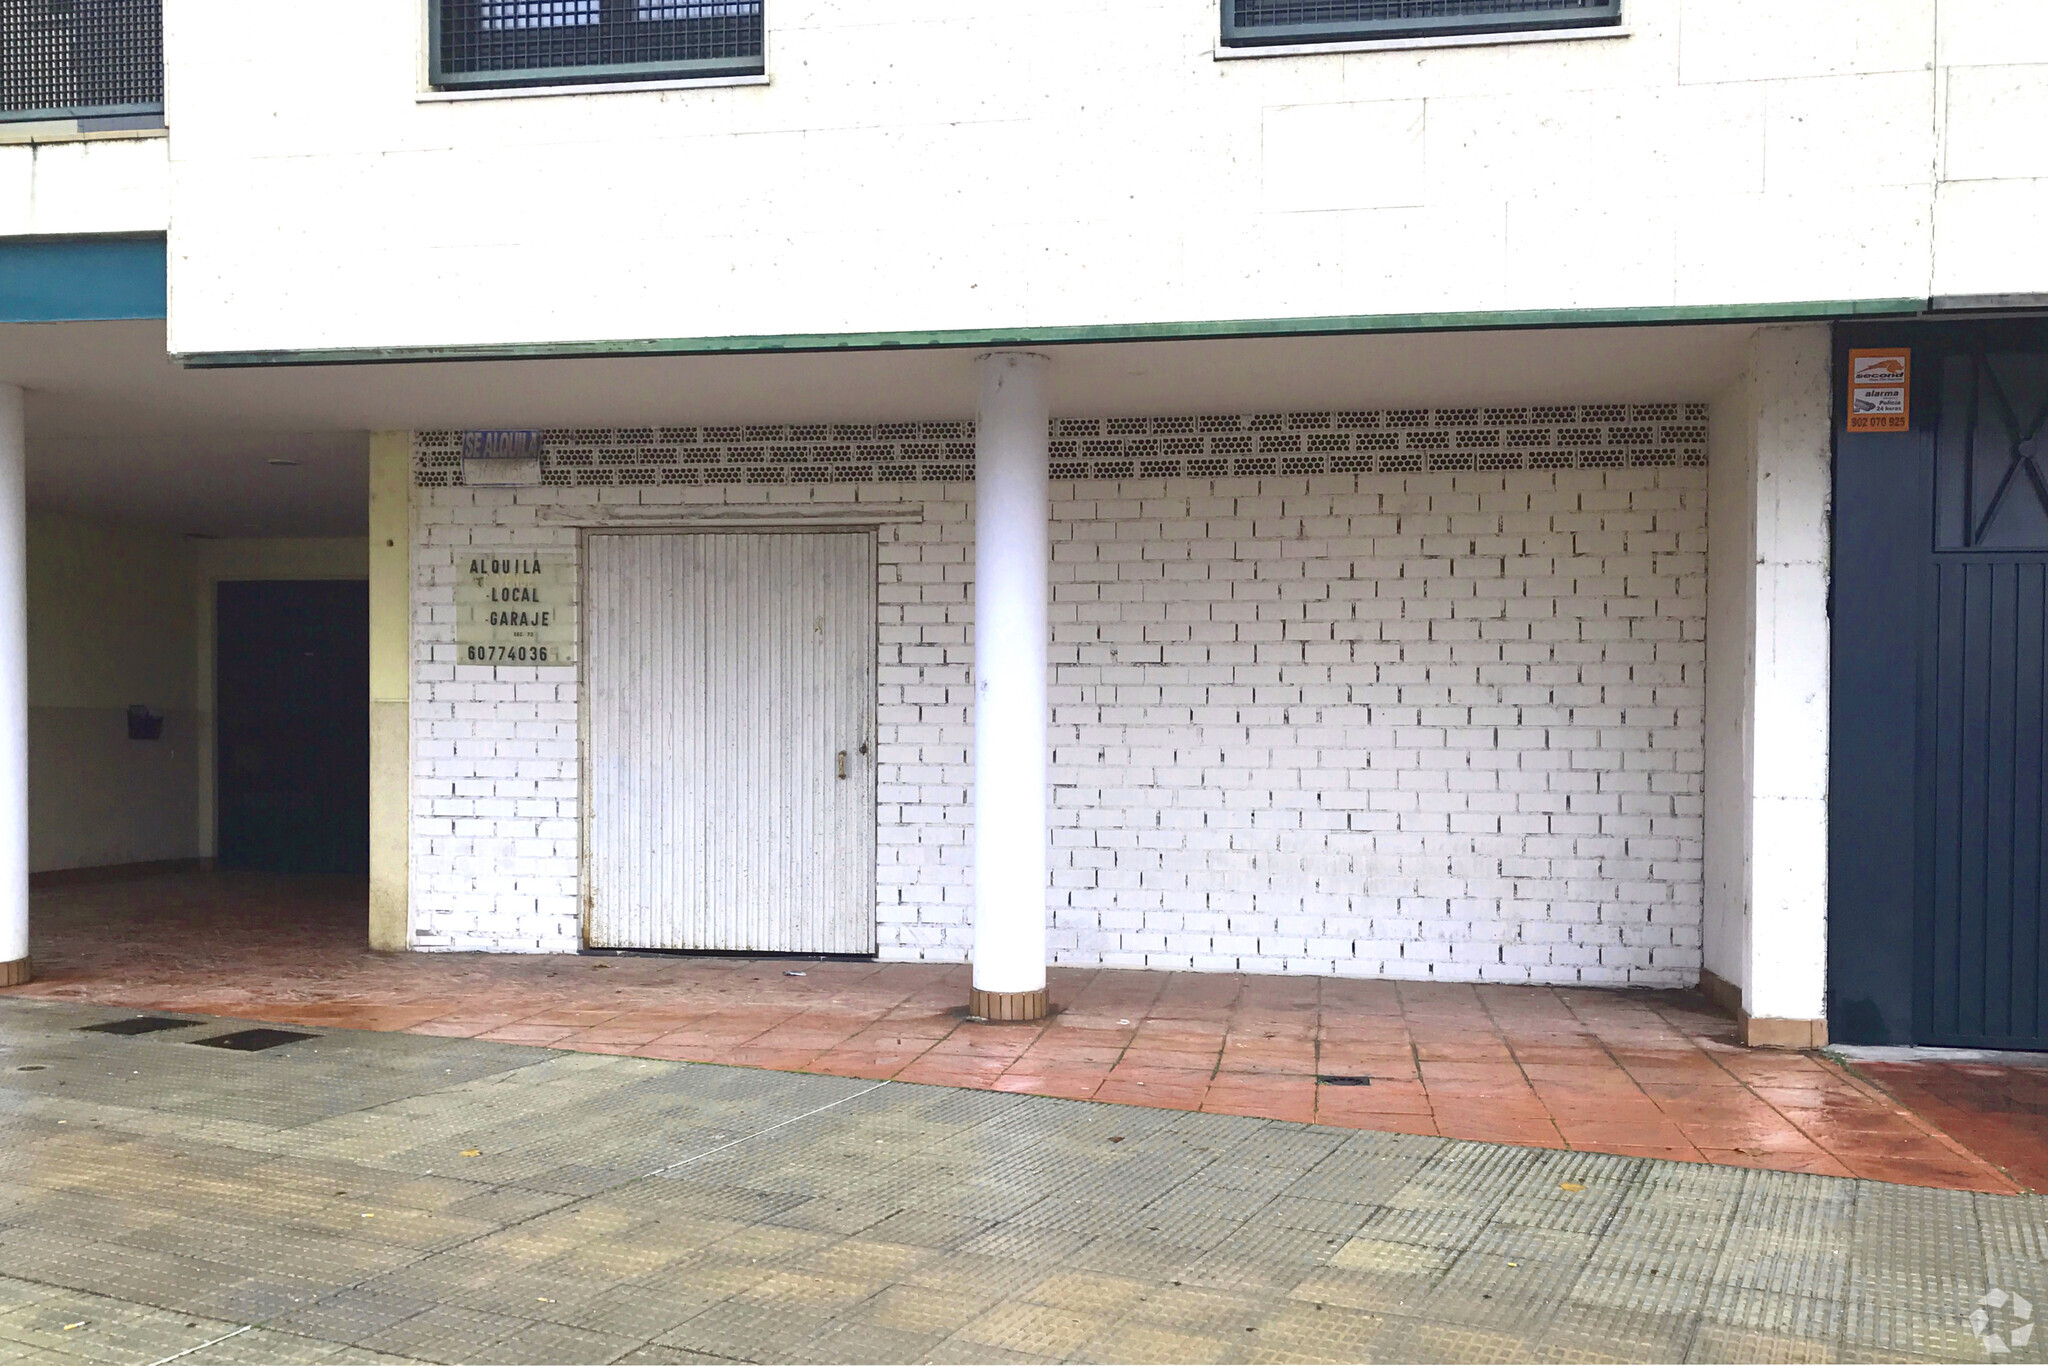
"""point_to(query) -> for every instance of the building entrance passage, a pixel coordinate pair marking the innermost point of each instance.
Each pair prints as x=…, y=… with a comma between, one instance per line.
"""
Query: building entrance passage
x=1940, y=766
x=731, y=681
x=292, y=688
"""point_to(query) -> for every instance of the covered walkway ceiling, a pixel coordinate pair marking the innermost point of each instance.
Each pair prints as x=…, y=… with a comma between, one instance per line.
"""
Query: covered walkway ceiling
x=118, y=431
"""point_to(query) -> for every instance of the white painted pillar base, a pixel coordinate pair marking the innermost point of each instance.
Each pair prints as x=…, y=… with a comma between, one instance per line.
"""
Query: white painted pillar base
x=14, y=964
x=1012, y=548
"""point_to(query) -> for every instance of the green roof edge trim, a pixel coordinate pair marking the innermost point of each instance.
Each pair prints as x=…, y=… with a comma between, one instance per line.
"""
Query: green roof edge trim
x=1082, y=334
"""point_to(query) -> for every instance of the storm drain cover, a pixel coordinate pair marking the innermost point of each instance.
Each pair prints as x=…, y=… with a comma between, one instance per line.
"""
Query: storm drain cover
x=1345, y=1079
x=253, y=1040
x=136, y=1024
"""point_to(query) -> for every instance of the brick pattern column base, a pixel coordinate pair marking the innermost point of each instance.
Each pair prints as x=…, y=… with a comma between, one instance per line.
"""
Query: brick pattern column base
x=1006, y=1006
x=15, y=973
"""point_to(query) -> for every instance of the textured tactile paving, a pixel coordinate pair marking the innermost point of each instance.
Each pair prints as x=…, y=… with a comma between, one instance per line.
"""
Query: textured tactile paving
x=399, y=1198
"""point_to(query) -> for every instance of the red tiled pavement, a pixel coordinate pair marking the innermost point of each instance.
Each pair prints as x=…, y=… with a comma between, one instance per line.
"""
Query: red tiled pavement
x=1633, y=1072
x=1999, y=1112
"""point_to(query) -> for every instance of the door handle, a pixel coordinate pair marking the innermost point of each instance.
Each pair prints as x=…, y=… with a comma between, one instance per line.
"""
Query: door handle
x=842, y=763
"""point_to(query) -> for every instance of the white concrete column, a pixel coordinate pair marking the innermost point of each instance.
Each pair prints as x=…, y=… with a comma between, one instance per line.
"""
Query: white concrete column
x=1012, y=547
x=14, y=965
x=390, y=688
x=1769, y=485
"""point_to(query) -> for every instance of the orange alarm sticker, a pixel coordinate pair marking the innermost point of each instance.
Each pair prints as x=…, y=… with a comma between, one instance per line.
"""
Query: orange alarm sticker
x=1880, y=390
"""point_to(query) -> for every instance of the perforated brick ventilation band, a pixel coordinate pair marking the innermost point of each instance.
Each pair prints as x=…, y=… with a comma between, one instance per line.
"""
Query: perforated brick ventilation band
x=1370, y=441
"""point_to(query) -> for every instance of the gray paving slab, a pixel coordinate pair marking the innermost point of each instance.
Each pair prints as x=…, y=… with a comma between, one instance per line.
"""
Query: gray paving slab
x=388, y=1197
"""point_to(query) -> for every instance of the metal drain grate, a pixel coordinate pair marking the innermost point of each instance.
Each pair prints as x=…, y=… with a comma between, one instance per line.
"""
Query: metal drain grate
x=253, y=1040
x=1345, y=1079
x=136, y=1024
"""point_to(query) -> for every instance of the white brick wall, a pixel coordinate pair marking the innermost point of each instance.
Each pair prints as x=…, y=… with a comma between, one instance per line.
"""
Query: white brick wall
x=1400, y=722
x=495, y=818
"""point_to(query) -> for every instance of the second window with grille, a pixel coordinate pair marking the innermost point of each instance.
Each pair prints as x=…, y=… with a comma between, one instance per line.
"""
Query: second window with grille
x=1264, y=23
x=500, y=43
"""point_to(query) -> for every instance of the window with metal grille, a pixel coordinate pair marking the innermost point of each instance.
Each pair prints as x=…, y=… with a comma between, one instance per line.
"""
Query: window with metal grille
x=1253, y=23
x=67, y=59
x=485, y=43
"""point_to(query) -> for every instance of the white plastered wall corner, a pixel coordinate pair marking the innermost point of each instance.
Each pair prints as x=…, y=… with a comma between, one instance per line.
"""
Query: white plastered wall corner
x=1769, y=485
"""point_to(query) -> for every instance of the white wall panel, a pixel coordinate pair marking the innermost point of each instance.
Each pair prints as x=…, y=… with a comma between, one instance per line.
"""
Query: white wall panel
x=1994, y=120
x=1993, y=32
x=1850, y=133
x=17, y=190
x=1414, y=260
x=1842, y=244
x=1553, y=260
x=60, y=188
x=1715, y=139
x=1563, y=141
x=1345, y=156
x=1752, y=40
x=1983, y=228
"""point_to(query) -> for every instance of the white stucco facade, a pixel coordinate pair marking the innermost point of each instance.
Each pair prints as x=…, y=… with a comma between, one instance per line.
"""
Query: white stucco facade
x=1105, y=169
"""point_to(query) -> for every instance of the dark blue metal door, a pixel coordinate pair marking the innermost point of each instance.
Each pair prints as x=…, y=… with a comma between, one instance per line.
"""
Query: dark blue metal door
x=1982, y=692
x=1939, y=823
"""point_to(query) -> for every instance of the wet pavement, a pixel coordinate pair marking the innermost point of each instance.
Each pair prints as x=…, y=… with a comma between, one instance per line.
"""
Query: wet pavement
x=1997, y=1110
x=1628, y=1073
x=362, y=1196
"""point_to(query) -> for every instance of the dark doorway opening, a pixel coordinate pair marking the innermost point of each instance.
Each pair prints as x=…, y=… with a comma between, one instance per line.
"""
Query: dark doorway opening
x=292, y=690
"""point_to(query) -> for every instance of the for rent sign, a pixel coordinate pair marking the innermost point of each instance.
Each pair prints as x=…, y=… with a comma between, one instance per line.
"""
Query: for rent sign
x=515, y=608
